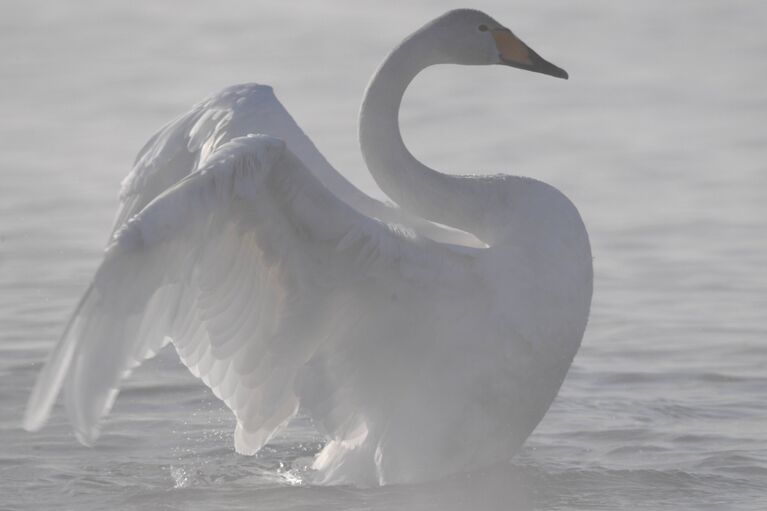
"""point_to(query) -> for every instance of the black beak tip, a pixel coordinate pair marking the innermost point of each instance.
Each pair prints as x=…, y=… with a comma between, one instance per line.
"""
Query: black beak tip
x=539, y=65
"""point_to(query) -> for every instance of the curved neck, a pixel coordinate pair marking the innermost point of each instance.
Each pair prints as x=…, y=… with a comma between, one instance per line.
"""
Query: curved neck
x=450, y=200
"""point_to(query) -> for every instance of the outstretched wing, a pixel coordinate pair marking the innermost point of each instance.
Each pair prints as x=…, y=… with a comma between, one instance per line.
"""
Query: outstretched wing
x=179, y=147
x=239, y=265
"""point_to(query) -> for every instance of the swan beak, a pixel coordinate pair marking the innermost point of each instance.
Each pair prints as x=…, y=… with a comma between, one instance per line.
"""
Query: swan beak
x=513, y=52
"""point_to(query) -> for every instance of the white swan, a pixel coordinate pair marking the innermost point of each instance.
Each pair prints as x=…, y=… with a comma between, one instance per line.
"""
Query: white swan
x=281, y=286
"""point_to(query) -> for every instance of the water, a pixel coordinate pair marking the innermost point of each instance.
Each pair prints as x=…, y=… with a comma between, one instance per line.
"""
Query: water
x=658, y=138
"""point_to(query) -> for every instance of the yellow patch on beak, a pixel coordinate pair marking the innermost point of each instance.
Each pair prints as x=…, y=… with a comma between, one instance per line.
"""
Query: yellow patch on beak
x=511, y=48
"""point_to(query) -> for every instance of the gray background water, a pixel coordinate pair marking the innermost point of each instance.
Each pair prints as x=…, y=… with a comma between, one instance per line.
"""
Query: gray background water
x=658, y=137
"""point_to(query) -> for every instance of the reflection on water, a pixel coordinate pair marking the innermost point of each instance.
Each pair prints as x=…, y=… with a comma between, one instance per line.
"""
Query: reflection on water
x=658, y=137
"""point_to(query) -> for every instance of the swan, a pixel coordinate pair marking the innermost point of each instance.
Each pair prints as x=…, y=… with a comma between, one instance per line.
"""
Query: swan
x=417, y=352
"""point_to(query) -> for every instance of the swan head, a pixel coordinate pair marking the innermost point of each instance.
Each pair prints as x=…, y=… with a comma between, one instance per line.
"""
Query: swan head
x=471, y=37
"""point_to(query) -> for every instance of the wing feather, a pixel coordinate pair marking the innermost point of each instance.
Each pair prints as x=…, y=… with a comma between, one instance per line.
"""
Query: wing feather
x=181, y=146
x=235, y=265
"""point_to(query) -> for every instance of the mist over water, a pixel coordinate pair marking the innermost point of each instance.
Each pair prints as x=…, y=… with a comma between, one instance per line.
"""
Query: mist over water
x=658, y=138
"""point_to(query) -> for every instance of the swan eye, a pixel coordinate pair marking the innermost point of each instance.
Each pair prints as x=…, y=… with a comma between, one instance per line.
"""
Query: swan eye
x=482, y=28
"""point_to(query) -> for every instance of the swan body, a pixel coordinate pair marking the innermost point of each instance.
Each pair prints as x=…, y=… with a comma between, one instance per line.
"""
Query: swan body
x=281, y=286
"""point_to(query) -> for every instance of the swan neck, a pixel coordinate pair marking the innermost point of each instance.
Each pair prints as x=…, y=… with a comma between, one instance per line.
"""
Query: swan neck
x=417, y=188
x=380, y=135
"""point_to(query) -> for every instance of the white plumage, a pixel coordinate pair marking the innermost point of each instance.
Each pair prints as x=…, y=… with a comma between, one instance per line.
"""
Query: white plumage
x=282, y=286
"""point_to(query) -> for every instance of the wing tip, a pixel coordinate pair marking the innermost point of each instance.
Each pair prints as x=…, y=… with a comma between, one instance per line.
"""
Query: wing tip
x=34, y=418
x=87, y=437
x=51, y=378
x=41, y=399
x=246, y=443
